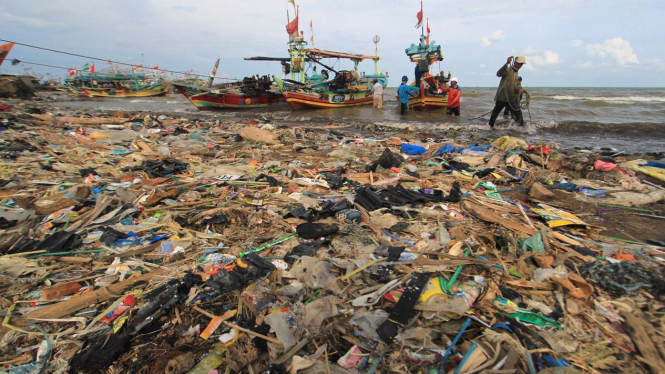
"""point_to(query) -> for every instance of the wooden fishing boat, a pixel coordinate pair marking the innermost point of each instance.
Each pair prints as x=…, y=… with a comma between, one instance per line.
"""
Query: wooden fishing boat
x=155, y=90
x=424, y=55
x=426, y=100
x=116, y=84
x=348, y=88
x=230, y=96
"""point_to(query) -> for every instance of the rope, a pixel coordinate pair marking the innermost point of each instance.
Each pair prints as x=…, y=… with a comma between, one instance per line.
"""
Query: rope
x=525, y=104
x=479, y=117
x=104, y=60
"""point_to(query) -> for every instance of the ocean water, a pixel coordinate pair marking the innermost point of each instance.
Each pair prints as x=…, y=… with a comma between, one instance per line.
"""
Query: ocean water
x=625, y=119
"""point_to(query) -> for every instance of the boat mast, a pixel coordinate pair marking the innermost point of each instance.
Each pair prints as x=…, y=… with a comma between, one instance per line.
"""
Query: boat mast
x=214, y=71
x=376, y=54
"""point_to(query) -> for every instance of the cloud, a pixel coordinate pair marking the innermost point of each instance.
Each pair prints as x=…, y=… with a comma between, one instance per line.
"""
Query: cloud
x=655, y=62
x=547, y=58
x=497, y=35
x=25, y=21
x=616, y=48
x=529, y=51
x=583, y=65
x=576, y=43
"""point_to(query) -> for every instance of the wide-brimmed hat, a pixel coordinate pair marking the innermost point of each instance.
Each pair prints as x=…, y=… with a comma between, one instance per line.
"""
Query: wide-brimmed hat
x=521, y=59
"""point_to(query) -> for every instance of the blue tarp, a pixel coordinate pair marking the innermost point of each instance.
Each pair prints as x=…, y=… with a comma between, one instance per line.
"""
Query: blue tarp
x=411, y=149
x=447, y=148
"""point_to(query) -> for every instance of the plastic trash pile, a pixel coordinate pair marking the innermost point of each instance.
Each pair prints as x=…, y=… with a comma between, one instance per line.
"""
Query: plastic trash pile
x=150, y=244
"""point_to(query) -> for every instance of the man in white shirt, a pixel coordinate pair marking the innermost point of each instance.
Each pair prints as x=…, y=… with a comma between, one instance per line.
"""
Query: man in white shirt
x=378, y=94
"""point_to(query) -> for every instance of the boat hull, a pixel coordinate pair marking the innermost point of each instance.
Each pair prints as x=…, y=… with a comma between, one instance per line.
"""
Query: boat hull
x=425, y=102
x=204, y=100
x=326, y=100
x=159, y=90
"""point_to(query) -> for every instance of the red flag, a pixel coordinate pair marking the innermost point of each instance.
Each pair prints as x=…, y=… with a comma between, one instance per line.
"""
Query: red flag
x=4, y=51
x=427, y=25
x=292, y=27
x=92, y=68
x=156, y=67
x=71, y=72
x=420, y=16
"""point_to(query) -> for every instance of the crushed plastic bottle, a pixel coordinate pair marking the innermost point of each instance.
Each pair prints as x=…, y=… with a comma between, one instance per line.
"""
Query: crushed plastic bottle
x=592, y=193
x=210, y=362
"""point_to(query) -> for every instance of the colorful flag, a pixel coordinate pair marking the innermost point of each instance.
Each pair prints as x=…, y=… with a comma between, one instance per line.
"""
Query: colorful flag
x=86, y=67
x=428, y=26
x=156, y=67
x=4, y=51
x=292, y=27
x=92, y=68
x=311, y=28
x=293, y=2
x=71, y=72
x=420, y=16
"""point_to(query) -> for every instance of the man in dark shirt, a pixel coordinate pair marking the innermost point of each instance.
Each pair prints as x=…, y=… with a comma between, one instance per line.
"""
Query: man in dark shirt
x=506, y=96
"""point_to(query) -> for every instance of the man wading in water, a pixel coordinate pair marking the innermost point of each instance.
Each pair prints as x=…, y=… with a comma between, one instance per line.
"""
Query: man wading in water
x=506, y=95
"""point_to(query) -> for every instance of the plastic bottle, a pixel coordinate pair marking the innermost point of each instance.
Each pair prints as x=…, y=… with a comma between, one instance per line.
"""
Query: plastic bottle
x=211, y=362
x=280, y=323
x=592, y=193
x=442, y=236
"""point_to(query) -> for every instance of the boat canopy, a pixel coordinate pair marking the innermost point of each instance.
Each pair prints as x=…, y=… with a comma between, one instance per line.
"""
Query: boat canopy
x=313, y=52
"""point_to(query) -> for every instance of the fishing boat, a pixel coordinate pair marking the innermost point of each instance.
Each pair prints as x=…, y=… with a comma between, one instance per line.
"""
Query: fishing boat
x=251, y=92
x=347, y=88
x=154, y=90
x=424, y=54
x=115, y=85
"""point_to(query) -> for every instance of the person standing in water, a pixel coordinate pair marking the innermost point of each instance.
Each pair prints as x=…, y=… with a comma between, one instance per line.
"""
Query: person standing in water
x=454, y=92
x=377, y=91
x=403, y=93
x=520, y=91
x=506, y=95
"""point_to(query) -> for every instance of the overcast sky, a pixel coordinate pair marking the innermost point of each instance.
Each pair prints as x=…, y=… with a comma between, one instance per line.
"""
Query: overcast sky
x=570, y=43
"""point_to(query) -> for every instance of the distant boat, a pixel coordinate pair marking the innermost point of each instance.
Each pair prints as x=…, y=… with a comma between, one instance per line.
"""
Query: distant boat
x=115, y=85
x=154, y=90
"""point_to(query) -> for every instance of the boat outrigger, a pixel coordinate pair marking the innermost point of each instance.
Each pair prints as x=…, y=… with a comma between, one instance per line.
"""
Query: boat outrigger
x=425, y=54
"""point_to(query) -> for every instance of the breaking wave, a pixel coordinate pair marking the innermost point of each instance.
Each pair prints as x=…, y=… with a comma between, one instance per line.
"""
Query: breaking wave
x=612, y=99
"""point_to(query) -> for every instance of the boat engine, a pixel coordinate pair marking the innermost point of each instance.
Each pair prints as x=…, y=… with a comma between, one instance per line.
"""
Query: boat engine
x=252, y=86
